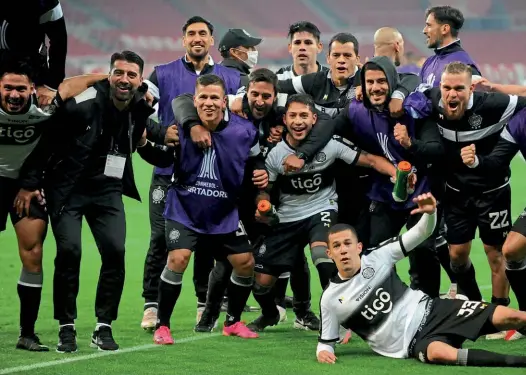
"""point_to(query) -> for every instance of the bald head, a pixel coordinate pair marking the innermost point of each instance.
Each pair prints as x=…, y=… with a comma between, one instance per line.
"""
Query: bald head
x=389, y=42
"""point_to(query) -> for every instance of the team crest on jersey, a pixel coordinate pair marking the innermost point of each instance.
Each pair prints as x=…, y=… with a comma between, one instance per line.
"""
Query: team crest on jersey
x=157, y=195
x=262, y=250
x=174, y=235
x=475, y=121
x=368, y=273
x=321, y=157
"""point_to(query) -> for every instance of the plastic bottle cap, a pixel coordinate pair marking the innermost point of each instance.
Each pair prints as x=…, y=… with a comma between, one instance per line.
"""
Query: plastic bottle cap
x=264, y=205
x=404, y=166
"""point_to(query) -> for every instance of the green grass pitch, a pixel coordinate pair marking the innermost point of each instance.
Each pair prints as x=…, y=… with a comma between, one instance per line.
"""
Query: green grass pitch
x=280, y=350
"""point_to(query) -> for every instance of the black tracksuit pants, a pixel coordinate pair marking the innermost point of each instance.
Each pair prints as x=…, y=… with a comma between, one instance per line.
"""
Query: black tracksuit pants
x=104, y=212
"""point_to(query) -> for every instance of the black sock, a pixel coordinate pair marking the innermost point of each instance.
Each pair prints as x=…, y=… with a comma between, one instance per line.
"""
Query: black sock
x=217, y=284
x=326, y=271
x=442, y=251
x=300, y=285
x=517, y=279
x=30, y=292
x=239, y=290
x=466, y=281
x=263, y=296
x=500, y=301
x=484, y=358
x=280, y=289
x=169, y=291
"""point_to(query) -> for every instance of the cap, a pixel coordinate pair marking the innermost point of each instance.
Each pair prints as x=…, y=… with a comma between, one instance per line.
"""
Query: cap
x=236, y=38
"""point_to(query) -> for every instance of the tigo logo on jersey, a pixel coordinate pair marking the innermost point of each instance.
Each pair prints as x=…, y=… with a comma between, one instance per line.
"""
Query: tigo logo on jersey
x=310, y=185
x=18, y=135
x=382, y=304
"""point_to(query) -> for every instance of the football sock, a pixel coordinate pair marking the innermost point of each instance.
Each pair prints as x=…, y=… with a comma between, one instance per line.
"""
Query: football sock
x=239, y=290
x=280, y=289
x=516, y=274
x=442, y=251
x=29, y=292
x=466, y=280
x=263, y=296
x=478, y=357
x=169, y=291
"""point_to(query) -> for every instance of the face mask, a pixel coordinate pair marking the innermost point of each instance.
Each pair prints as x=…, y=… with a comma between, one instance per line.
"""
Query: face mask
x=252, y=59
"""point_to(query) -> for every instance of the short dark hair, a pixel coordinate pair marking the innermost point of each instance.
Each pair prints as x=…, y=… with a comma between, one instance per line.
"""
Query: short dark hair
x=345, y=38
x=198, y=19
x=447, y=15
x=128, y=56
x=18, y=66
x=210, y=80
x=303, y=99
x=264, y=75
x=304, y=27
x=341, y=227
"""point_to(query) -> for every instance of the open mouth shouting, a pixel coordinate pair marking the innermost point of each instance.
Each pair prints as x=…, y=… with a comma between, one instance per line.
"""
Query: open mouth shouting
x=14, y=104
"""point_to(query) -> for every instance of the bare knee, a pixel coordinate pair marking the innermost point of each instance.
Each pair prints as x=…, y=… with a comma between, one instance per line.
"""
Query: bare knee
x=243, y=264
x=178, y=260
x=32, y=259
x=264, y=279
x=441, y=353
x=514, y=248
x=459, y=254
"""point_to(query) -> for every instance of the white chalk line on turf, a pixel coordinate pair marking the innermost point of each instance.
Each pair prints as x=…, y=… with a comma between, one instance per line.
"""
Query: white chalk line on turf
x=75, y=358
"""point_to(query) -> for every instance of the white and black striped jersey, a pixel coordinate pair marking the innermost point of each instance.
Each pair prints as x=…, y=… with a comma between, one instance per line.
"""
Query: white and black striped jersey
x=19, y=135
x=312, y=189
x=327, y=97
x=287, y=72
x=485, y=117
x=375, y=303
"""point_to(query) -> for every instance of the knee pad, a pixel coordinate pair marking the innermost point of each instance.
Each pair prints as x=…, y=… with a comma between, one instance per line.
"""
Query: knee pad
x=319, y=255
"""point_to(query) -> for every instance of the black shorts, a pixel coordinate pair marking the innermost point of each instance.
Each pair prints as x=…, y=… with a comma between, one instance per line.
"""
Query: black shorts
x=9, y=188
x=520, y=224
x=284, y=245
x=180, y=237
x=453, y=321
x=489, y=211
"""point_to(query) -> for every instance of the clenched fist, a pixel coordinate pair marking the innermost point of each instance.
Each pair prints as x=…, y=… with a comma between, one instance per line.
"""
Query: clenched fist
x=401, y=135
x=469, y=155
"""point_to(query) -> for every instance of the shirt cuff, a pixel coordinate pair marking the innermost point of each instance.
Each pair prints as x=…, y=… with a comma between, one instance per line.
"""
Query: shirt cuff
x=398, y=95
x=50, y=88
x=476, y=163
x=321, y=347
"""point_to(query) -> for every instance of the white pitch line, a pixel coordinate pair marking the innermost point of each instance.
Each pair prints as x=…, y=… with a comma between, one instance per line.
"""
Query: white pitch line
x=75, y=358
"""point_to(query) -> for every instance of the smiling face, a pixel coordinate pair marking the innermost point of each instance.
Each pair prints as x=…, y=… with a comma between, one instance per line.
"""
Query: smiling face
x=344, y=249
x=125, y=78
x=197, y=40
x=15, y=92
x=210, y=102
x=261, y=97
x=434, y=32
x=456, y=90
x=342, y=60
x=376, y=87
x=299, y=120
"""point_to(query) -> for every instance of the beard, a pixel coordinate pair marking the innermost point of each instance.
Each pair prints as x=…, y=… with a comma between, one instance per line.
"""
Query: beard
x=122, y=96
